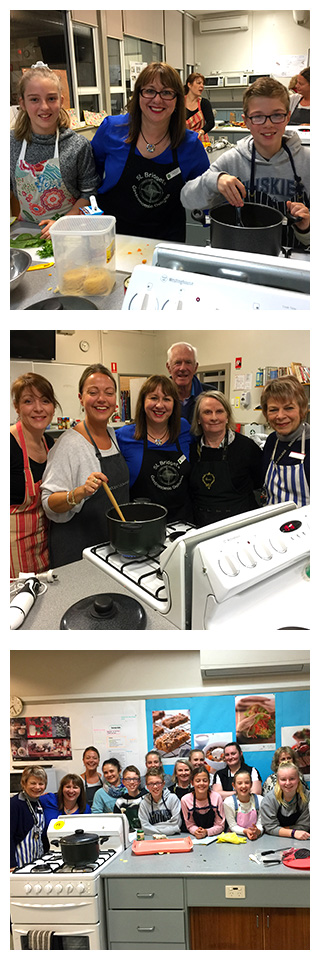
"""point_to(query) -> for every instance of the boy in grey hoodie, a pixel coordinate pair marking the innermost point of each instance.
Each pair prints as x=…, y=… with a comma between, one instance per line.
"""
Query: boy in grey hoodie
x=159, y=810
x=268, y=167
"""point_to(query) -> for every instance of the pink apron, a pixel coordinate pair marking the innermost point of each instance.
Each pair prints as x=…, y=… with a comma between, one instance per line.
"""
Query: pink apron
x=28, y=524
x=42, y=194
x=246, y=819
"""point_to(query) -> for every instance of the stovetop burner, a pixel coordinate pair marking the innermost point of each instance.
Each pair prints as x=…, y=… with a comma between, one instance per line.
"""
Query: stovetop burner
x=53, y=863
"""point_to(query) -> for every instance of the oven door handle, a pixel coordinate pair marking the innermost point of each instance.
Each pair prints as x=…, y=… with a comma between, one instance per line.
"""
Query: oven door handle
x=51, y=906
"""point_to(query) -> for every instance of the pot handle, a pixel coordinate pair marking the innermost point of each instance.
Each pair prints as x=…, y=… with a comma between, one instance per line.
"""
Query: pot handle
x=133, y=525
x=199, y=217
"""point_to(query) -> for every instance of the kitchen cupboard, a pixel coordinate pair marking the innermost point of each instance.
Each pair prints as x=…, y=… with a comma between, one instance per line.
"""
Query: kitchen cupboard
x=145, y=914
x=255, y=928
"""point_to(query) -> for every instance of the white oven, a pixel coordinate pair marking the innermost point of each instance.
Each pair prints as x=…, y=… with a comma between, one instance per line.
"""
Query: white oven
x=55, y=906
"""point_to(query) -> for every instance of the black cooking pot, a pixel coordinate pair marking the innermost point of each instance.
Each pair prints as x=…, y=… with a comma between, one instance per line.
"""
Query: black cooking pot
x=80, y=848
x=143, y=532
x=261, y=231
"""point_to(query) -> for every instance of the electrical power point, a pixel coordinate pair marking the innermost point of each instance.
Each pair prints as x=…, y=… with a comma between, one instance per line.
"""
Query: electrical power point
x=235, y=893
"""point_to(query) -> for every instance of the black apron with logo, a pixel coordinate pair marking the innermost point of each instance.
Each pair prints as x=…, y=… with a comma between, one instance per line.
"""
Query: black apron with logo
x=163, y=479
x=213, y=494
x=146, y=199
x=90, y=525
x=202, y=819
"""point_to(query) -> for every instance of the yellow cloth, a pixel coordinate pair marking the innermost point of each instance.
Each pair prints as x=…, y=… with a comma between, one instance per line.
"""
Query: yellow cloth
x=230, y=838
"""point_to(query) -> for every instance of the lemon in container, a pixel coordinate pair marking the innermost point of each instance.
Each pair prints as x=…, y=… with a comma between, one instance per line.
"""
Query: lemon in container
x=84, y=253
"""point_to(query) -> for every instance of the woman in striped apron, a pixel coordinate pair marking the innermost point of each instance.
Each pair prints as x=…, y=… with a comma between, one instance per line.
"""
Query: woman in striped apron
x=35, y=402
x=286, y=455
x=199, y=116
x=28, y=840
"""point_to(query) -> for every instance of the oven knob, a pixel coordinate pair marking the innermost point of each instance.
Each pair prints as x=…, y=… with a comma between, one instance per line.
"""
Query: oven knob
x=37, y=888
x=58, y=888
x=80, y=887
x=28, y=888
x=48, y=887
x=263, y=550
x=228, y=566
x=69, y=887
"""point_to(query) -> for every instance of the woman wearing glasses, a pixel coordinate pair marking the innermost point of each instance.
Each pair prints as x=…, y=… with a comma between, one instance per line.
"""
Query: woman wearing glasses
x=146, y=156
x=268, y=167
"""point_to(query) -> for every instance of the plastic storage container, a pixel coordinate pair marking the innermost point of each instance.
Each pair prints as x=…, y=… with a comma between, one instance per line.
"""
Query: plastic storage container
x=84, y=253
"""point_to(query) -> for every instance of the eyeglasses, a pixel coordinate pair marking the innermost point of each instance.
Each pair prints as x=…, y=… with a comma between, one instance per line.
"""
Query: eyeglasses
x=149, y=94
x=260, y=118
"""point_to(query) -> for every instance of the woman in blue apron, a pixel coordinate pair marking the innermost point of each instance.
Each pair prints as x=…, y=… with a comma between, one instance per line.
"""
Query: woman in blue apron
x=225, y=466
x=286, y=455
x=52, y=167
x=202, y=809
x=70, y=493
x=146, y=157
x=156, y=449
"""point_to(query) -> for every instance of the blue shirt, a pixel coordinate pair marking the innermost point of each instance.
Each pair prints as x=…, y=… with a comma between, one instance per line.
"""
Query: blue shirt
x=111, y=152
x=49, y=802
x=132, y=449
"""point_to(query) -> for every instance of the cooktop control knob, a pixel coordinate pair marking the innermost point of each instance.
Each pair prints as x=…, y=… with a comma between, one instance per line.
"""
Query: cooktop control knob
x=48, y=887
x=37, y=888
x=27, y=888
x=58, y=888
x=69, y=887
x=80, y=887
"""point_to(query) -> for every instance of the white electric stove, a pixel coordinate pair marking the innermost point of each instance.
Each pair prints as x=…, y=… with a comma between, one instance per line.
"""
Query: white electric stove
x=250, y=568
x=184, y=277
x=55, y=906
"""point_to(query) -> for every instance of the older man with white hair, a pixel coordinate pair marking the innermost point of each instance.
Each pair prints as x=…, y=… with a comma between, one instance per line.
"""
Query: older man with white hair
x=182, y=364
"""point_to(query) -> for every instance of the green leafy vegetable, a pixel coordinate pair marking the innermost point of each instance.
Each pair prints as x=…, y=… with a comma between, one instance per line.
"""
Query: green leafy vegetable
x=25, y=240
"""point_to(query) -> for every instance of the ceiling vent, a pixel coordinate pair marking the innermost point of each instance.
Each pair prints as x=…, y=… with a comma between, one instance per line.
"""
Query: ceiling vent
x=224, y=25
x=250, y=663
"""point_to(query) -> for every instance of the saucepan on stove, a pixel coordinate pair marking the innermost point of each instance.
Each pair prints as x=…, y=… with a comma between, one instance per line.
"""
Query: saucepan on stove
x=80, y=848
x=259, y=232
x=143, y=532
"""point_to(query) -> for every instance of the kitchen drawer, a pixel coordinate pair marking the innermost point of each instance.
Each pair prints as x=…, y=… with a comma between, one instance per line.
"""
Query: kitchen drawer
x=153, y=926
x=264, y=891
x=149, y=946
x=147, y=893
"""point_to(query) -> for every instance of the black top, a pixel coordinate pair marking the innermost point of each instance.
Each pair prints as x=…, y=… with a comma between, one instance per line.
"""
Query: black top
x=226, y=777
x=17, y=484
x=207, y=113
x=244, y=460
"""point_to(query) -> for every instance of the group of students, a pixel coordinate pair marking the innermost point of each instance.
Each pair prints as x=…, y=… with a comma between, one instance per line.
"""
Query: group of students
x=200, y=469
x=147, y=166
x=192, y=801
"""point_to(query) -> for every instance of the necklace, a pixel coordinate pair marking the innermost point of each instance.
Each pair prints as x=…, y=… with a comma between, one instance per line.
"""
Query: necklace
x=157, y=440
x=152, y=146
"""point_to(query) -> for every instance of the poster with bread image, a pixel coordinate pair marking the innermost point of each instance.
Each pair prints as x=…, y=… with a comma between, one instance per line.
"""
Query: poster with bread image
x=171, y=732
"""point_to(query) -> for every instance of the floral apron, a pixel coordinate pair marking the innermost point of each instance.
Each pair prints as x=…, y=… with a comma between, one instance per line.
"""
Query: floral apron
x=40, y=188
x=28, y=524
x=196, y=123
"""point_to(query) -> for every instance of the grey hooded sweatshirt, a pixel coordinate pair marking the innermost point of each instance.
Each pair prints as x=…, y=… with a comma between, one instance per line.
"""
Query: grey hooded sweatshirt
x=163, y=816
x=273, y=179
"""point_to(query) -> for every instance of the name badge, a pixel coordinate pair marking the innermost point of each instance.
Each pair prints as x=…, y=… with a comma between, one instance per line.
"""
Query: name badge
x=181, y=459
x=173, y=173
x=297, y=456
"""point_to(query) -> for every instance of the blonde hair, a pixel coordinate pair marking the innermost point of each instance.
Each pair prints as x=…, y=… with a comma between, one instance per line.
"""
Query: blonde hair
x=37, y=772
x=23, y=129
x=289, y=765
x=287, y=389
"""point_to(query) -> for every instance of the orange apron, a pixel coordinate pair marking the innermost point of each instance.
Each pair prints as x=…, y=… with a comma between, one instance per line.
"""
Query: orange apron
x=28, y=524
x=196, y=122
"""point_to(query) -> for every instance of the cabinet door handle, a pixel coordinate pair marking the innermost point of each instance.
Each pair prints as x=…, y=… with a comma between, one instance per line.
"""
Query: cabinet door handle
x=257, y=920
x=268, y=919
x=145, y=929
x=145, y=896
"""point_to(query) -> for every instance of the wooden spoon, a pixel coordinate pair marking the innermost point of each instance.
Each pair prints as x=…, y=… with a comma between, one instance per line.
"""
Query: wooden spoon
x=113, y=500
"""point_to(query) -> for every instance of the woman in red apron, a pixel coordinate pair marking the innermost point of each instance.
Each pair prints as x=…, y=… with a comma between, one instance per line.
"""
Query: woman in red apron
x=198, y=109
x=35, y=402
x=242, y=808
x=36, y=176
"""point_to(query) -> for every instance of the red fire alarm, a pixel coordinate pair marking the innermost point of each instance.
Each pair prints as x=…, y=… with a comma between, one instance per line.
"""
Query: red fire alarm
x=238, y=363
x=113, y=368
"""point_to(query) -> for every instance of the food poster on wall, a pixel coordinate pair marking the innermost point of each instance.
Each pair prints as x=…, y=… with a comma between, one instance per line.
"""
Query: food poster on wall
x=40, y=738
x=212, y=745
x=299, y=741
x=121, y=733
x=256, y=721
x=171, y=733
